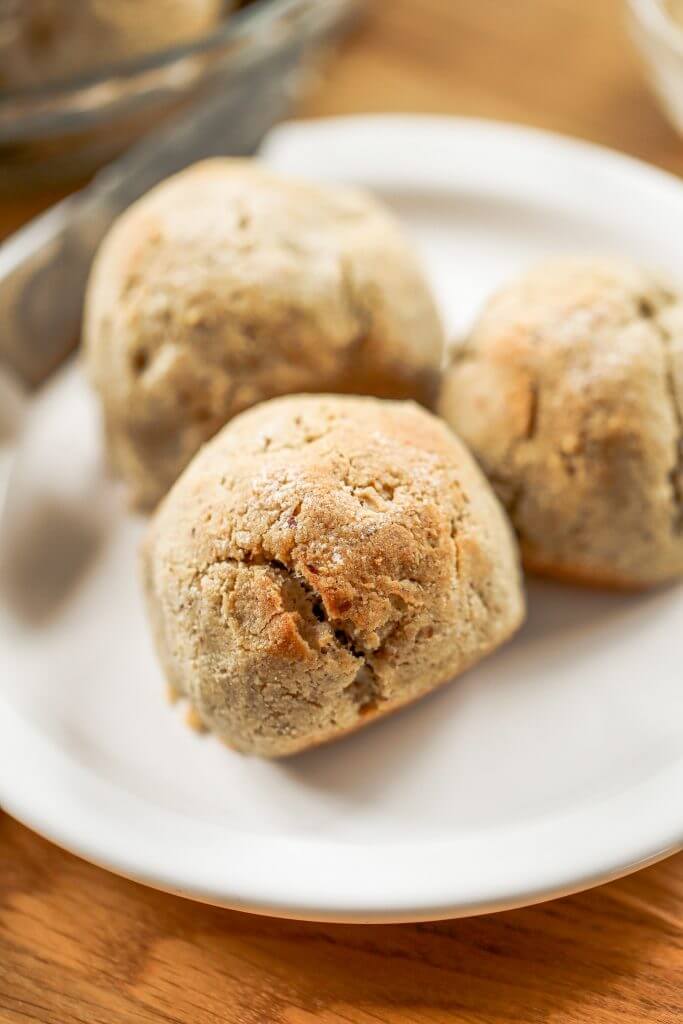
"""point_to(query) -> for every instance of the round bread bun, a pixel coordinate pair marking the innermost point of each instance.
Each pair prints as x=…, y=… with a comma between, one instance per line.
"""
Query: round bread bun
x=569, y=391
x=321, y=562
x=229, y=284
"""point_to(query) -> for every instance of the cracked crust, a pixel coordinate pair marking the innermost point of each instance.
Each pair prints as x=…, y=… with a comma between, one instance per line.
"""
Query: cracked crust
x=227, y=285
x=570, y=393
x=321, y=562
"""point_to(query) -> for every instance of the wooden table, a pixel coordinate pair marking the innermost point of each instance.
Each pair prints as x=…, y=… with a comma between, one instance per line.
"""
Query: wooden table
x=80, y=946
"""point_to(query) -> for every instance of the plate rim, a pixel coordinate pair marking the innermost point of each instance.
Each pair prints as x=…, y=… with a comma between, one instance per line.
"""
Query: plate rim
x=303, y=887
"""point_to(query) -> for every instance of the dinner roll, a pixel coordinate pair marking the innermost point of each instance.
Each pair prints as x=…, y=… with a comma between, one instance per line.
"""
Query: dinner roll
x=229, y=284
x=570, y=393
x=321, y=562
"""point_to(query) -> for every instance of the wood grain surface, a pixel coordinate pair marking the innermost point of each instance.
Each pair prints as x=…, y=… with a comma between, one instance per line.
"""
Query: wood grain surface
x=80, y=946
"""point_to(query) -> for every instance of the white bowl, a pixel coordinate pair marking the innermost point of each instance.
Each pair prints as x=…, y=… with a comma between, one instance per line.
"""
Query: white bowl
x=659, y=38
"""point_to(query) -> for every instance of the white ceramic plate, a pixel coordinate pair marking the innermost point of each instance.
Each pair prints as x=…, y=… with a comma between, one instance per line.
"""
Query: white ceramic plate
x=556, y=764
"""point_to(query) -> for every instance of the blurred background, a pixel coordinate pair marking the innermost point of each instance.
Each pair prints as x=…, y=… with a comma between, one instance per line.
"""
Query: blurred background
x=79, y=83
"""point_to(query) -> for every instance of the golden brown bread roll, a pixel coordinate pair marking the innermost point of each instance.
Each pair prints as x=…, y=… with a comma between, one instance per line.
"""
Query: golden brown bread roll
x=229, y=284
x=570, y=393
x=321, y=562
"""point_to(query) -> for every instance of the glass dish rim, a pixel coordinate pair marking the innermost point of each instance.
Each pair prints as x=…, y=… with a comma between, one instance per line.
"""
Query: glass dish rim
x=231, y=30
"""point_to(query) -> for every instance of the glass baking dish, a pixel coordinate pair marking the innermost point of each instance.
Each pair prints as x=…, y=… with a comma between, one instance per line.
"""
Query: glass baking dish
x=64, y=130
